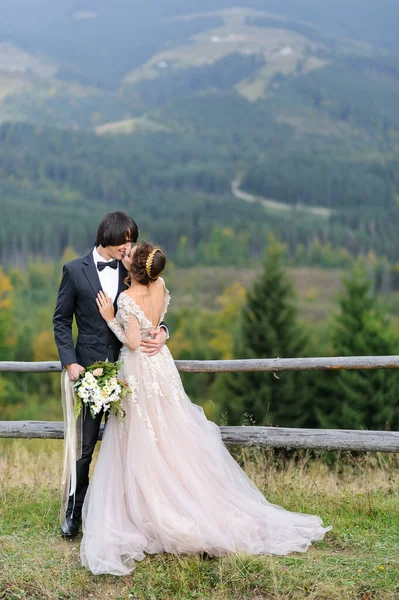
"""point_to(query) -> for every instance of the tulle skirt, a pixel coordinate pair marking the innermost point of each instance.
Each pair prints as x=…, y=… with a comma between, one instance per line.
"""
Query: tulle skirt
x=165, y=482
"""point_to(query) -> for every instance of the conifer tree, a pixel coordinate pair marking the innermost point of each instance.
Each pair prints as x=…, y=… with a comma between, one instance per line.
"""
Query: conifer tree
x=269, y=329
x=363, y=398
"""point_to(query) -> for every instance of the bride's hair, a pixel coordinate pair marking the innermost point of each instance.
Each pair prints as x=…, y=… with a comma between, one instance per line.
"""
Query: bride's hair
x=147, y=264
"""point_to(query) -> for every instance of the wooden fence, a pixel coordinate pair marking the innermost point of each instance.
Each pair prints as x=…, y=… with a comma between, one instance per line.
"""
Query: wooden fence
x=274, y=437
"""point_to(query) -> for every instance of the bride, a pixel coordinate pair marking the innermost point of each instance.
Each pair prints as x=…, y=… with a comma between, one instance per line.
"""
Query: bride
x=164, y=480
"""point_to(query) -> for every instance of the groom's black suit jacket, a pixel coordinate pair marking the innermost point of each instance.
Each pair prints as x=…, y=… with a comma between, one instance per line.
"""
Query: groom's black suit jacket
x=79, y=287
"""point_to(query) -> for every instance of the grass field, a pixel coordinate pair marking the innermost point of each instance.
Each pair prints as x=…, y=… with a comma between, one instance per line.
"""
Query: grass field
x=235, y=35
x=127, y=126
x=317, y=289
x=358, y=559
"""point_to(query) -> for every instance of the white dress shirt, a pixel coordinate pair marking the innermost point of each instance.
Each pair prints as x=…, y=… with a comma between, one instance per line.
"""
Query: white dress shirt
x=109, y=278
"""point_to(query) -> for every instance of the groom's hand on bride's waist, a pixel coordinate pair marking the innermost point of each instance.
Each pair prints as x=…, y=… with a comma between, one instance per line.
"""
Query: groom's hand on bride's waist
x=74, y=370
x=155, y=344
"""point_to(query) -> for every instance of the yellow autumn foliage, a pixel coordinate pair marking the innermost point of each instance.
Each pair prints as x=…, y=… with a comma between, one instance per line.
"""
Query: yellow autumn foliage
x=5, y=291
x=231, y=302
x=178, y=344
x=69, y=254
x=44, y=347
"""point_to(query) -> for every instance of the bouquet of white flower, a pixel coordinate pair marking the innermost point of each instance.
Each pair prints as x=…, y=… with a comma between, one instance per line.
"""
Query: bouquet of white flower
x=99, y=389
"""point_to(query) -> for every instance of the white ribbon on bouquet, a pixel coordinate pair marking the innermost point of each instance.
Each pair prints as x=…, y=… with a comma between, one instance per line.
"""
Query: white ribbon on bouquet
x=72, y=442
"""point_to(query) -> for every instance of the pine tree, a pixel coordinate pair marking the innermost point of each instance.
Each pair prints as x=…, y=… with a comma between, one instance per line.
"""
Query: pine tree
x=364, y=398
x=269, y=329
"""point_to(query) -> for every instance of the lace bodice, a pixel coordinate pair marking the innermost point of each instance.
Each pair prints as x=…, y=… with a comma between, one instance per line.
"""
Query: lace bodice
x=128, y=307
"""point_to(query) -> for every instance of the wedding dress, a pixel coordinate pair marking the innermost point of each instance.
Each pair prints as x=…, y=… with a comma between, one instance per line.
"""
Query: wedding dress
x=165, y=482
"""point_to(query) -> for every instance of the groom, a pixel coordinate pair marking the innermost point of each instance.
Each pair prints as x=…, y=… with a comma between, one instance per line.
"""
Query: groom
x=82, y=279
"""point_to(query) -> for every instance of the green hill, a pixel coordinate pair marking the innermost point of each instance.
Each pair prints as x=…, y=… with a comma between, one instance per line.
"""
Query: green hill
x=157, y=109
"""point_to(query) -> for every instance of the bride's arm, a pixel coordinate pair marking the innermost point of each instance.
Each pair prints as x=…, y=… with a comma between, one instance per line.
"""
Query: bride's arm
x=128, y=335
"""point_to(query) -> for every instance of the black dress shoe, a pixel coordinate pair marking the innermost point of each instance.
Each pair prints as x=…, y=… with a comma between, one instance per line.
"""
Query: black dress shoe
x=205, y=556
x=70, y=527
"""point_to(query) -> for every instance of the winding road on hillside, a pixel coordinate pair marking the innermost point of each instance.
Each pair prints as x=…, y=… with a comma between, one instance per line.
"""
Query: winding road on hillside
x=319, y=211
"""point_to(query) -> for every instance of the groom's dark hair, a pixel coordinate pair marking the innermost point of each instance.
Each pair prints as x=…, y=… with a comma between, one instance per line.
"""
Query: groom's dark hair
x=115, y=229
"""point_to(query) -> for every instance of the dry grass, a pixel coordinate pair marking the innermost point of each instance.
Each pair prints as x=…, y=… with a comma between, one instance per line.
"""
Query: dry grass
x=36, y=464
x=317, y=288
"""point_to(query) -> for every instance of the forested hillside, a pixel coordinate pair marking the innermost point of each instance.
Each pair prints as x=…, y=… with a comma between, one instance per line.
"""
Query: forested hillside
x=55, y=186
x=157, y=109
x=102, y=41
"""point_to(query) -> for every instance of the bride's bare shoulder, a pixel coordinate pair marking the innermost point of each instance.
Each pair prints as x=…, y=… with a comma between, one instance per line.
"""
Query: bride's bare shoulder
x=128, y=292
x=158, y=285
x=138, y=292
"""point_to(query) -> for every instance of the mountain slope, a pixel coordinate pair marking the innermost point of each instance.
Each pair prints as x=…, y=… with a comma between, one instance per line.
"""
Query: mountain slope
x=296, y=100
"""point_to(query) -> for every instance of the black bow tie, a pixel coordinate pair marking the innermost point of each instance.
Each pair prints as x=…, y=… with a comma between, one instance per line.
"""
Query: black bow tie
x=112, y=263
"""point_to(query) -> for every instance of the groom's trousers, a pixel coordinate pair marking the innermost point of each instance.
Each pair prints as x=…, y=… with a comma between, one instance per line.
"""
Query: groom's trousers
x=90, y=430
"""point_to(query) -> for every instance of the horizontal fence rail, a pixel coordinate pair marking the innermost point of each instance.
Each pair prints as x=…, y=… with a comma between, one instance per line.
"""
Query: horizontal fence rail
x=267, y=437
x=272, y=437
x=229, y=366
